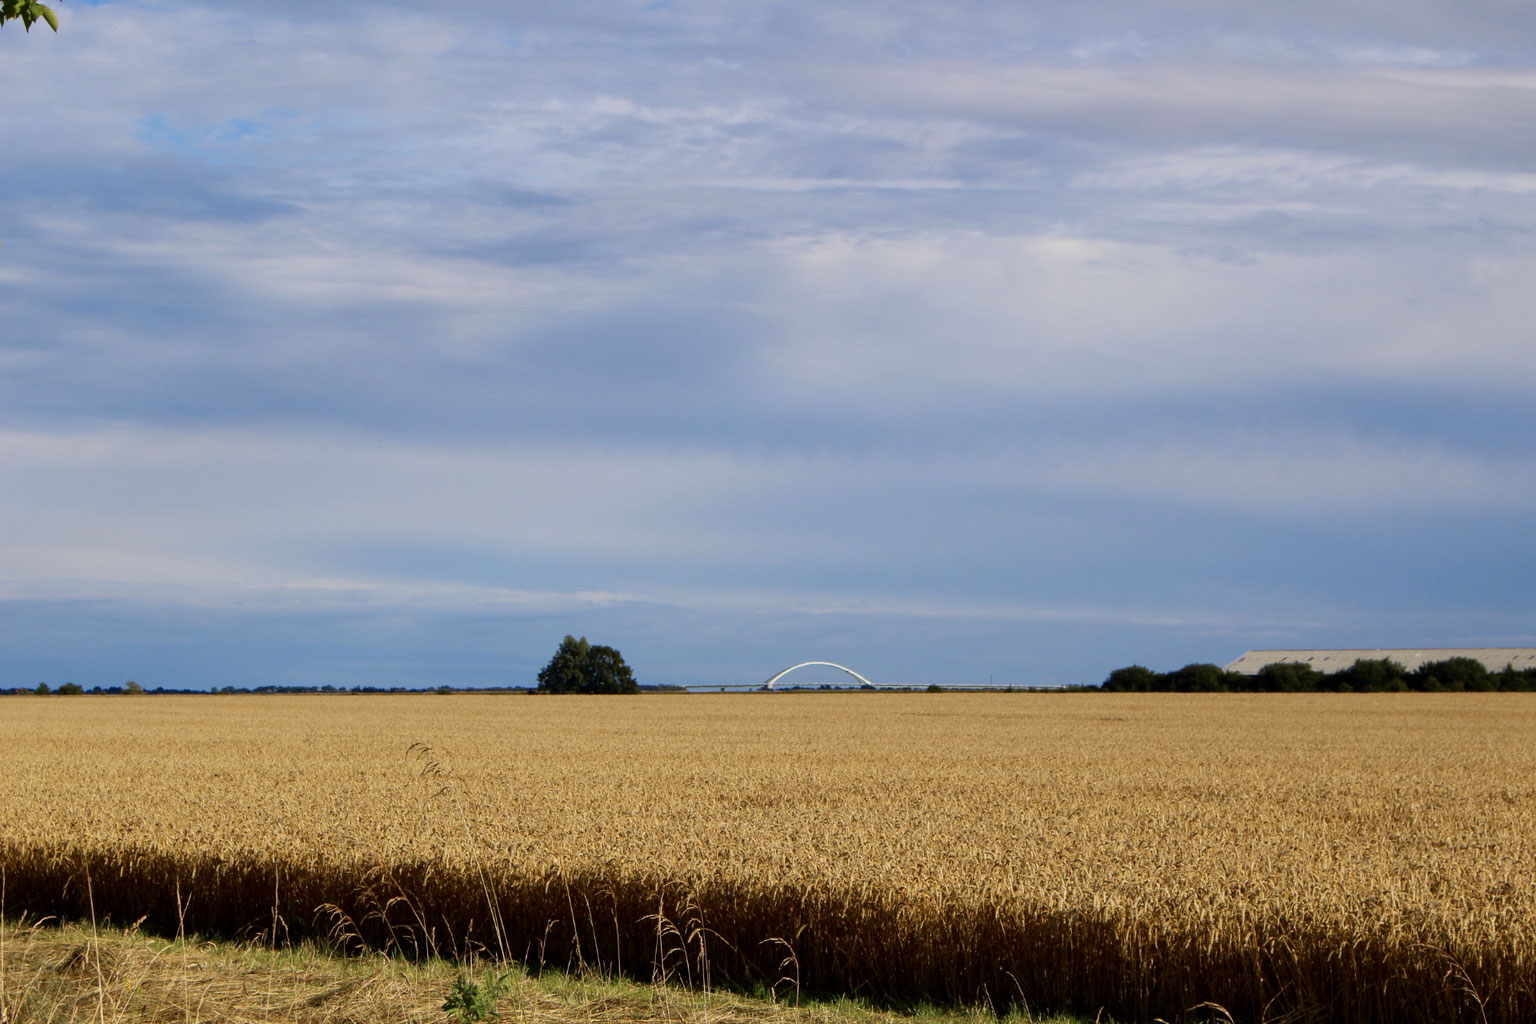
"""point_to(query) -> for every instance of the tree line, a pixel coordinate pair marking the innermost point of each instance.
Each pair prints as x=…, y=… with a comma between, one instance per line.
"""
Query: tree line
x=577, y=667
x=71, y=689
x=1380, y=675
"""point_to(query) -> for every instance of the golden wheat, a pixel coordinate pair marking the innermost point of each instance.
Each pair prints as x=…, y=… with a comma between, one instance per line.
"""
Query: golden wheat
x=1342, y=857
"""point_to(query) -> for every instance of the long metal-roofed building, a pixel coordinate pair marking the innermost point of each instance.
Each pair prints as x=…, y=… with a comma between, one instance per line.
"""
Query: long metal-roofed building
x=1494, y=659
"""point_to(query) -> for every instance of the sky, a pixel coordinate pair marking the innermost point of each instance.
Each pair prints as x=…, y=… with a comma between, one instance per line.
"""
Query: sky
x=387, y=343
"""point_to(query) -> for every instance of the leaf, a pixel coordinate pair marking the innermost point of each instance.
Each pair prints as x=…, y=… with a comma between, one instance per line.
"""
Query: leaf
x=27, y=12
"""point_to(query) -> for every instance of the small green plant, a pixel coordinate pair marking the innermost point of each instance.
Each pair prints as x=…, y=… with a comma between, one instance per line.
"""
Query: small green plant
x=473, y=1002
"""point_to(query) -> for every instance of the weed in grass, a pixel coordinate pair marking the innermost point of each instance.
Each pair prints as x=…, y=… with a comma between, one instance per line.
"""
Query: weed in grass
x=471, y=1001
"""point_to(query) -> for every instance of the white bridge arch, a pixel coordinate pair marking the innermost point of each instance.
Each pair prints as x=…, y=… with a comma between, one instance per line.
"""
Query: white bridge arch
x=830, y=664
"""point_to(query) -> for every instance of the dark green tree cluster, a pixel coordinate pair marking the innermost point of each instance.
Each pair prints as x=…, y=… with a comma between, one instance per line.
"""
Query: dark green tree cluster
x=580, y=667
x=1453, y=675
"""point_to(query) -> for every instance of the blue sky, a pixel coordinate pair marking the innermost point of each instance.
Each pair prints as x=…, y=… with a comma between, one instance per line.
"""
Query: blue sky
x=381, y=344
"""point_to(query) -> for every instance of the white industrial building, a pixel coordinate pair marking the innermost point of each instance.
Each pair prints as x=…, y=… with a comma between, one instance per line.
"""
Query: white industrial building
x=1494, y=659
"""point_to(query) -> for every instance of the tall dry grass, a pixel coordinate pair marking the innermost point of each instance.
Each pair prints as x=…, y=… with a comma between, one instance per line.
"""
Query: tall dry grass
x=1360, y=858
x=73, y=974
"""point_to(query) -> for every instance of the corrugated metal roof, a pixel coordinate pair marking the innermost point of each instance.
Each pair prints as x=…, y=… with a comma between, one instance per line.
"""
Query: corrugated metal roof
x=1493, y=658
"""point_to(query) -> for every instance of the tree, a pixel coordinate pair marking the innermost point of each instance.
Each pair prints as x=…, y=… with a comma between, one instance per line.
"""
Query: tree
x=607, y=672
x=70, y=689
x=1288, y=677
x=1199, y=677
x=1371, y=675
x=1515, y=679
x=564, y=672
x=1451, y=674
x=27, y=12
x=1131, y=679
x=132, y=687
x=581, y=667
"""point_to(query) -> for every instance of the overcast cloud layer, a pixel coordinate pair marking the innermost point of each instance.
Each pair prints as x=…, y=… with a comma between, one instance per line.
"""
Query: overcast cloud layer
x=367, y=344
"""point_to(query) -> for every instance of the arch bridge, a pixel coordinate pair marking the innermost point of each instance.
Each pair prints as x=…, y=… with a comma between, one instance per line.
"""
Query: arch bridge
x=830, y=664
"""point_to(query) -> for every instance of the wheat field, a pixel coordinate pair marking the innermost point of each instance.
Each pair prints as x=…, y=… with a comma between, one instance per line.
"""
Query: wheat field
x=1329, y=857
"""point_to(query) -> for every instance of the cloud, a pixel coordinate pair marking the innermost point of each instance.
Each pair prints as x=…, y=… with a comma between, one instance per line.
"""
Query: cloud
x=1401, y=113
x=269, y=512
x=1291, y=171
x=816, y=319
x=1310, y=476
x=923, y=318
